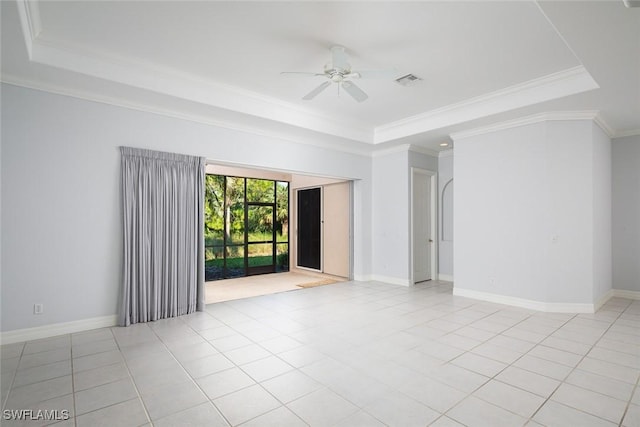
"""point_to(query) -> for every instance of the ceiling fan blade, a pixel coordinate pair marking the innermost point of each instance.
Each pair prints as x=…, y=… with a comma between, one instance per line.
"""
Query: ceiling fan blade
x=316, y=91
x=376, y=74
x=300, y=74
x=339, y=58
x=355, y=92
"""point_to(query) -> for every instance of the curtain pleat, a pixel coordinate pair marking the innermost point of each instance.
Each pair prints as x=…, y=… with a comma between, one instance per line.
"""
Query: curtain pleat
x=163, y=233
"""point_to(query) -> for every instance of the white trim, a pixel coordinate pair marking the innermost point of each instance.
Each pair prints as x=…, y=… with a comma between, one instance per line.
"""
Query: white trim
x=623, y=134
x=603, y=300
x=390, y=150
x=390, y=280
x=550, y=307
x=424, y=150
x=624, y=293
x=433, y=215
x=604, y=125
x=29, y=14
x=362, y=277
x=315, y=139
x=567, y=82
x=46, y=331
x=445, y=277
x=189, y=87
x=528, y=120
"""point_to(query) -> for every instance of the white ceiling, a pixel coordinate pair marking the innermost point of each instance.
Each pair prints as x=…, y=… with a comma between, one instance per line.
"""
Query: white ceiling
x=220, y=62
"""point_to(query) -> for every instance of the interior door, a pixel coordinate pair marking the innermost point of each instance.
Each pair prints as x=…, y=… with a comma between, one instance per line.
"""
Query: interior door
x=422, y=239
x=309, y=228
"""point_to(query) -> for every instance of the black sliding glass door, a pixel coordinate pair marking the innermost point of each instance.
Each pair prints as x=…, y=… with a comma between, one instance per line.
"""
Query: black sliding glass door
x=246, y=226
x=309, y=229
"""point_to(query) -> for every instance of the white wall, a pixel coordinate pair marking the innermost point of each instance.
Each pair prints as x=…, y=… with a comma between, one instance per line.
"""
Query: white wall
x=445, y=219
x=391, y=218
x=626, y=213
x=61, y=243
x=602, y=227
x=527, y=206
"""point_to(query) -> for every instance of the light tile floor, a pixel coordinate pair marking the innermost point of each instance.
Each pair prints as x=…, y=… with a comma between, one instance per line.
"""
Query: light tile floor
x=350, y=354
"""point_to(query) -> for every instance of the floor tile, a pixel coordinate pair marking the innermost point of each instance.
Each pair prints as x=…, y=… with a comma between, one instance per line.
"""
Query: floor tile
x=555, y=355
x=624, y=359
x=104, y=395
x=96, y=360
x=129, y=413
x=632, y=416
x=543, y=367
x=591, y=402
x=204, y=415
x=290, y=386
x=479, y=364
x=172, y=398
x=224, y=382
x=474, y=412
x=42, y=373
x=611, y=370
x=529, y=381
x=614, y=388
x=230, y=343
x=496, y=352
x=85, y=349
x=510, y=398
x=434, y=394
x=266, y=368
x=280, y=417
x=301, y=356
x=99, y=376
x=47, y=344
x=554, y=414
x=400, y=410
x=44, y=358
x=246, y=354
x=207, y=365
x=322, y=408
x=246, y=404
x=445, y=421
x=27, y=395
x=457, y=377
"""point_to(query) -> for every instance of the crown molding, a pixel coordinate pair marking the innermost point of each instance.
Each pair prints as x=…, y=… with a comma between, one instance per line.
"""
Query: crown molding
x=191, y=88
x=536, y=118
x=604, y=125
x=381, y=152
x=568, y=82
x=623, y=134
x=29, y=14
x=312, y=138
x=424, y=150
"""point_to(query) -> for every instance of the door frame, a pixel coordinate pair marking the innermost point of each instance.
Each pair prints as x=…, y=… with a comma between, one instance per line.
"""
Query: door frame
x=433, y=220
x=321, y=269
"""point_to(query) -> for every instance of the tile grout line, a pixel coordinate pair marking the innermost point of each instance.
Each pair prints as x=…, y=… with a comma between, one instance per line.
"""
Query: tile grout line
x=575, y=367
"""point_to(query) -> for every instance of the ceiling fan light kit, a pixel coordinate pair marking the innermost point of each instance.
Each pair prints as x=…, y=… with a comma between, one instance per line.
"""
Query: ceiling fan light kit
x=339, y=71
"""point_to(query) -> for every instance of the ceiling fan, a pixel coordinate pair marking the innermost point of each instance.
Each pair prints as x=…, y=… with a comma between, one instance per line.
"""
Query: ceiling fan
x=339, y=71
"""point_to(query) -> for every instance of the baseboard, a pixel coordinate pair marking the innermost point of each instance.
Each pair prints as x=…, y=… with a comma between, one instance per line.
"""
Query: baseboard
x=391, y=280
x=551, y=307
x=362, y=277
x=445, y=277
x=46, y=331
x=623, y=293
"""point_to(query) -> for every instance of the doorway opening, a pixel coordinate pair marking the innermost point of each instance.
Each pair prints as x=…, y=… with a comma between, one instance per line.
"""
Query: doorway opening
x=246, y=226
x=423, y=225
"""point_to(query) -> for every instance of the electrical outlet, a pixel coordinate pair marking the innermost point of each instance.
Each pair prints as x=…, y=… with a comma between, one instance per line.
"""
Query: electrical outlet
x=38, y=308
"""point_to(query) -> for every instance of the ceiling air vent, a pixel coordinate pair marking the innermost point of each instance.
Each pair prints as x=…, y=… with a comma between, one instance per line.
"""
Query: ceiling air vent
x=408, y=80
x=632, y=3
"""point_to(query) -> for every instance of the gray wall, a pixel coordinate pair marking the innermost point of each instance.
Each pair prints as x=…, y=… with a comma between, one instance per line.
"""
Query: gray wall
x=61, y=231
x=626, y=213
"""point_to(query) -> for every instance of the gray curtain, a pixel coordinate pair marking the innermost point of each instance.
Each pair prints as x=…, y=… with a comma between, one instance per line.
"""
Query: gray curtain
x=163, y=219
